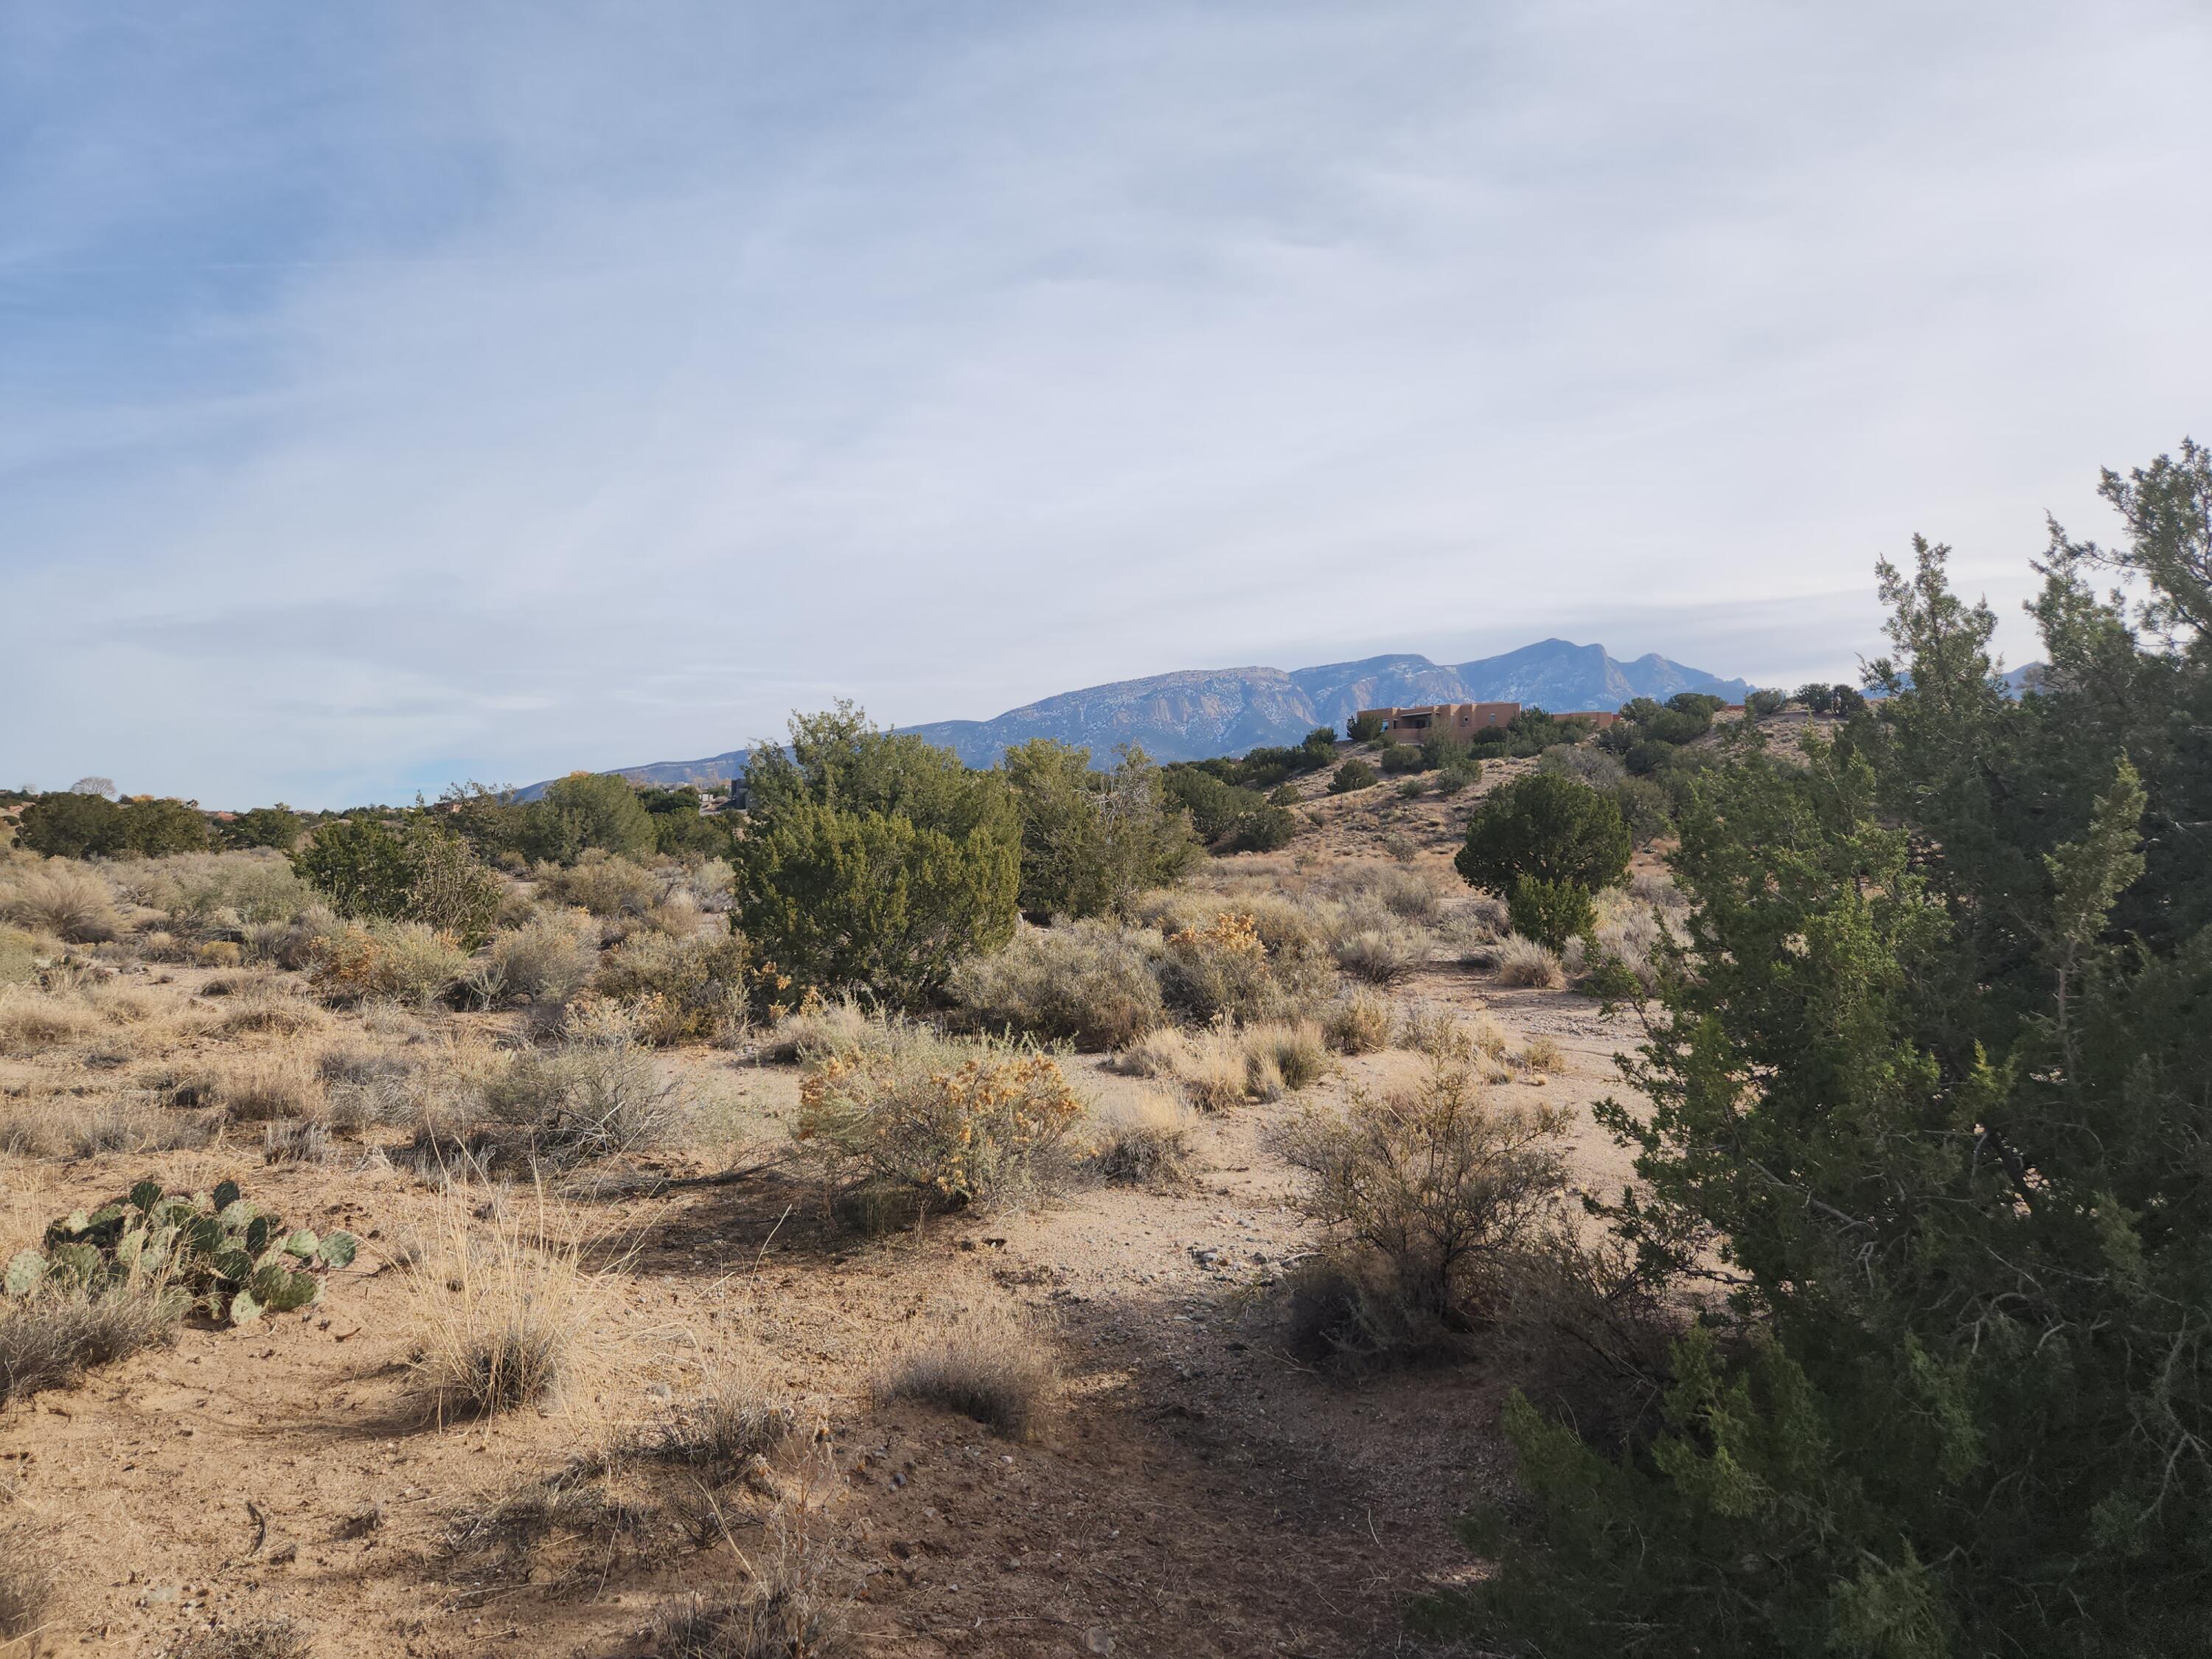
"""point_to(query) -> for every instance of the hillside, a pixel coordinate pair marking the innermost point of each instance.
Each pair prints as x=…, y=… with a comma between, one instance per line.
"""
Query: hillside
x=1197, y=714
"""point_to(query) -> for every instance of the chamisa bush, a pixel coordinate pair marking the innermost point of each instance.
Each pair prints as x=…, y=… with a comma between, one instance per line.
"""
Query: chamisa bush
x=1089, y=982
x=925, y=1122
x=684, y=990
x=403, y=961
x=1431, y=1195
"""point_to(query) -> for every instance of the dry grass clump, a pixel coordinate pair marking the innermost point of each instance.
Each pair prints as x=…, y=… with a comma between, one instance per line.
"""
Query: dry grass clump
x=546, y=962
x=1523, y=962
x=787, y=1610
x=1292, y=1051
x=600, y=1093
x=945, y=1122
x=28, y=1590
x=63, y=899
x=1089, y=982
x=19, y=956
x=987, y=1365
x=31, y=1023
x=1429, y=1030
x=266, y=1008
x=1357, y=1023
x=735, y=1419
x=269, y=1087
x=258, y=1638
x=296, y=1143
x=1542, y=1053
x=130, y=1126
x=1372, y=945
x=604, y=883
x=1410, y=894
x=402, y=962
x=1209, y=1064
x=1431, y=1195
x=47, y=1340
x=1145, y=1140
x=820, y=1029
x=498, y=1311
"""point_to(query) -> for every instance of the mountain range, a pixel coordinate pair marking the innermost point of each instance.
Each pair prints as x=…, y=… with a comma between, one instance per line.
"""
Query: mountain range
x=1197, y=714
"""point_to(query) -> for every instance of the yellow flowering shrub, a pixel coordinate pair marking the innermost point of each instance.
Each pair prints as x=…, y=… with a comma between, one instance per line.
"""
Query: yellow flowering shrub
x=955, y=1123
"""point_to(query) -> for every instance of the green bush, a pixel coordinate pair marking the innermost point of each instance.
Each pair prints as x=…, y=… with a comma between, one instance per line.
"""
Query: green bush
x=1549, y=912
x=1924, y=1144
x=1398, y=757
x=871, y=901
x=588, y=809
x=416, y=870
x=277, y=827
x=67, y=824
x=1092, y=841
x=1646, y=807
x=1263, y=830
x=1353, y=775
x=1761, y=703
x=1461, y=775
x=1548, y=828
x=362, y=864
x=1362, y=728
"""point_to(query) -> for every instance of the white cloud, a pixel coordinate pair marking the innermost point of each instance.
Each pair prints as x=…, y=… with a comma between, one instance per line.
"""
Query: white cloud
x=476, y=397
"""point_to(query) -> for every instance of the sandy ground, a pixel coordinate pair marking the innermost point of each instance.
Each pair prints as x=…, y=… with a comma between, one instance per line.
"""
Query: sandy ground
x=1195, y=1490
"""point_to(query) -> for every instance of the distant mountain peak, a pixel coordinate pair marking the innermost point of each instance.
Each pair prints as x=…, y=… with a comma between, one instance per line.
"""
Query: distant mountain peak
x=1196, y=713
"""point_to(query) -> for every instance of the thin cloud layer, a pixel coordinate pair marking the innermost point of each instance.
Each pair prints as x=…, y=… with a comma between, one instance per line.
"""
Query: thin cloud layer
x=391, y=400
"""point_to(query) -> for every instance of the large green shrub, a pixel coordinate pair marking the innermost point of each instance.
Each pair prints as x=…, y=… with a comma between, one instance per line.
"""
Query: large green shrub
x=586, y=810
x=1927, y=1107
x=69, y=824
x=276, y=826
x=415, y=870
x=871, y=901
x=362, y=864
x=1549, y=912
x=1092, y=841
x=1362, y=728
x=1353, y=775
x=1548, y=828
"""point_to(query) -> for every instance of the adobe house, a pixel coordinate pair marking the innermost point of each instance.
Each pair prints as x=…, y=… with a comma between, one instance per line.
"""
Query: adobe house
x=1459, y=718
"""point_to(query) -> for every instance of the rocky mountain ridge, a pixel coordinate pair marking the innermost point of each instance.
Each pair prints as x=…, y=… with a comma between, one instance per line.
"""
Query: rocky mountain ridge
x=1197, y=714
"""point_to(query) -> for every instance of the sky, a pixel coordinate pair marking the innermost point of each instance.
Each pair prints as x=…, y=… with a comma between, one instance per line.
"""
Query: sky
x=395, y=395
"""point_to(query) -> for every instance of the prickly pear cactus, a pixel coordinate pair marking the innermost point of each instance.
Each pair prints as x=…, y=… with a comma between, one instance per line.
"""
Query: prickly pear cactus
x=235, y=1259
x=26, y=1269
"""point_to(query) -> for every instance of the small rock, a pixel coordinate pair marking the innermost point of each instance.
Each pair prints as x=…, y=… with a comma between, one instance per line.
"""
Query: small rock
x=1097, y=1639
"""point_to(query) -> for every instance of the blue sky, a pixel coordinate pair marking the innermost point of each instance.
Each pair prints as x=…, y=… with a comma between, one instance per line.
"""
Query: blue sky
x=391, y=395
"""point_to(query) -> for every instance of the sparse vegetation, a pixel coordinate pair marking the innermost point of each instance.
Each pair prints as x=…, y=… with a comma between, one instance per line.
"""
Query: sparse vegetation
x=986, y=1364
x=1429, y=1194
